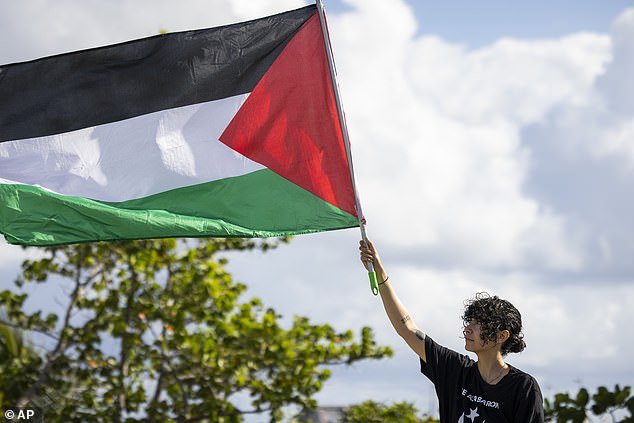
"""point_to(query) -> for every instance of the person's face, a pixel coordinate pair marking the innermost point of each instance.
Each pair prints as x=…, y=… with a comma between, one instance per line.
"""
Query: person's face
x=473, y=341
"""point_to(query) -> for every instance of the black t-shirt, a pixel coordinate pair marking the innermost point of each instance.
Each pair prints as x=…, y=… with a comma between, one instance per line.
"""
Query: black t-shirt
x=465, y=397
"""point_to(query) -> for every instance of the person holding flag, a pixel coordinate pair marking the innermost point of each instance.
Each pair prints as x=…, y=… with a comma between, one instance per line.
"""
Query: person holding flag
x=488, y=389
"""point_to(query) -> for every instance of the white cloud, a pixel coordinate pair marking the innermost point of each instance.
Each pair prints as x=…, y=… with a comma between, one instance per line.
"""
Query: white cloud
x=603, y=127
x=9, y=254
x=39, y=28
x=584, y=159
x=437, y=131
x=249, y=9
x=560, y=321
x=620, y=95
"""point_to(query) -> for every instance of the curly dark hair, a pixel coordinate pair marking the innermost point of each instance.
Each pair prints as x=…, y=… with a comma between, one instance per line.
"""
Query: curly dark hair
x=495, y=314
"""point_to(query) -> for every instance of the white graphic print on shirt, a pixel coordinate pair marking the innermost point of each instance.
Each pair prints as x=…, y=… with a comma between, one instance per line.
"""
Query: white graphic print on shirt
x=479, y=400
x=472, y=416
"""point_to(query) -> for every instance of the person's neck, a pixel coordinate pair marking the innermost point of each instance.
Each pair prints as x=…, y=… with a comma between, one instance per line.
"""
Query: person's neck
x=492, y=367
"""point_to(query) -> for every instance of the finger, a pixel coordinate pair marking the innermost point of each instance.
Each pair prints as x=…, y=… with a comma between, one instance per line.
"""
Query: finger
x=367, y=255
x=369, y=245
x=367, y=252
x=366, y=261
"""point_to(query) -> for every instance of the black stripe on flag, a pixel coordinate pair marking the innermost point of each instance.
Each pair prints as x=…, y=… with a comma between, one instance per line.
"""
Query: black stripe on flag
x=86, y=88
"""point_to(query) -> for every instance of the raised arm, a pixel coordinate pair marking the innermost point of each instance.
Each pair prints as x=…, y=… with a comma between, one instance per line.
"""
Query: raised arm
x=400, y=318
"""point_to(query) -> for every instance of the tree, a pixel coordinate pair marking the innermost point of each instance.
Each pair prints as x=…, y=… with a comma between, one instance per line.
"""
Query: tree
x=156, y=330
x=18, y=361
x=370, y=411
x=579, y=409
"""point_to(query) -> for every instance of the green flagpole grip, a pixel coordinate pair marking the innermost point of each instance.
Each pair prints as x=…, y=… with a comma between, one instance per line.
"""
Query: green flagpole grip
x=373, y=286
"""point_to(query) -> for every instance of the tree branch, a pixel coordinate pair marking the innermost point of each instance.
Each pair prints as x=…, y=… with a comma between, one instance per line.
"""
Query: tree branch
x=125, y=341
x=166, y=360
x=62, y=342
x=233, y=413
x=43, y=332
x=159, y=388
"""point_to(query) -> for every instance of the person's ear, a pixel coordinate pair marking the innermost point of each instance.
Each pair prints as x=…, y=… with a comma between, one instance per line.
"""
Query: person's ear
x=503, y=335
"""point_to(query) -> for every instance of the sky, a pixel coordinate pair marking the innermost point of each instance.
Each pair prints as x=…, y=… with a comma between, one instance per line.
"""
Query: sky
x=493, y=145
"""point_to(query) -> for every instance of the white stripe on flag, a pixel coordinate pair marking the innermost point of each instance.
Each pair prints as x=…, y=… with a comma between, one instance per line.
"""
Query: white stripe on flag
x=131, y=158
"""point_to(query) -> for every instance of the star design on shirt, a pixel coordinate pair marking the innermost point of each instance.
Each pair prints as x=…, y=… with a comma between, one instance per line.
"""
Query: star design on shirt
x=473, y=414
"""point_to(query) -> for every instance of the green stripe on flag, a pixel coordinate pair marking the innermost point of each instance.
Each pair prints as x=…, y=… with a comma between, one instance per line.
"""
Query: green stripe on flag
x=259, y=204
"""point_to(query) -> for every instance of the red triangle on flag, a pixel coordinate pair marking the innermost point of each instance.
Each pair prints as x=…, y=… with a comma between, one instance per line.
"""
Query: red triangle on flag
x=289, y=122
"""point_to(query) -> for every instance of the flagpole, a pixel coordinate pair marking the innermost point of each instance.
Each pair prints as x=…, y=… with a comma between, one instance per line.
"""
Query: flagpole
x=346, y=141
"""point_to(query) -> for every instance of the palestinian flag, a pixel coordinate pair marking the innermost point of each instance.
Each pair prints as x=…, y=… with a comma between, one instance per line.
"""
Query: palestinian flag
x=224, y=132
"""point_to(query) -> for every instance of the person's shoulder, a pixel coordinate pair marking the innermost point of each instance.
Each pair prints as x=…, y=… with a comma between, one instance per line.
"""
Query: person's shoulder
x=519, y=373
x=521, y=377
x=434, y=348
x=529, y=402
x=442, y=363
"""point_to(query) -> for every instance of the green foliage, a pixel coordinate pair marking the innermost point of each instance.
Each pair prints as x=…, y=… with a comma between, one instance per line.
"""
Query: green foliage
x=567, y=409
x=156, y=330
x=19, y=363
x=617, y=404
x=606, y=401
x=373, y=412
